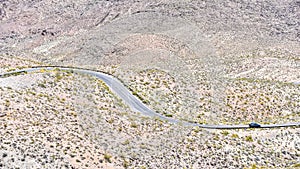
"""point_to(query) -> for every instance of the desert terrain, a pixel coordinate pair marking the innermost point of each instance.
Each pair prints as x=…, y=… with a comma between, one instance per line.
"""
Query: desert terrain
x=207, y=62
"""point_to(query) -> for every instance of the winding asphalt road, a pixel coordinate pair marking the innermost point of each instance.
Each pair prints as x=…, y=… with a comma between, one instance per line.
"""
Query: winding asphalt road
x=137, y=105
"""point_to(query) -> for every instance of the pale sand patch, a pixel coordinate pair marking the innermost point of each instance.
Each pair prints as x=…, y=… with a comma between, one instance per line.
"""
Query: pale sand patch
x=266, y=68
x=21, y=81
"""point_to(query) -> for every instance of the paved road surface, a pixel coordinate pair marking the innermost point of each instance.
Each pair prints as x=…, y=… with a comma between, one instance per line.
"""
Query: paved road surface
x=134, y=103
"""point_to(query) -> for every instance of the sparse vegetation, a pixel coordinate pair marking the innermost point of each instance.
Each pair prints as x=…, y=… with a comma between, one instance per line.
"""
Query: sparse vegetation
x=202, y=62
x=249, y=138
x=107, y=157
x=235, y=136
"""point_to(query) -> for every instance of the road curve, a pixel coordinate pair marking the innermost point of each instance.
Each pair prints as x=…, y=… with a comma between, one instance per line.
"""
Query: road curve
x=134, y=103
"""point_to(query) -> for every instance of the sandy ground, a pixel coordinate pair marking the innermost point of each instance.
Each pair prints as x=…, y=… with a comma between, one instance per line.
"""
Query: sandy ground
x=211, y=62
x=59, y=119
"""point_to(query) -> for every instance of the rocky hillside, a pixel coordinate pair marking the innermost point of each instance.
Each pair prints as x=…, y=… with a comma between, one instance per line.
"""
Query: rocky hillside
x=210, y=62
